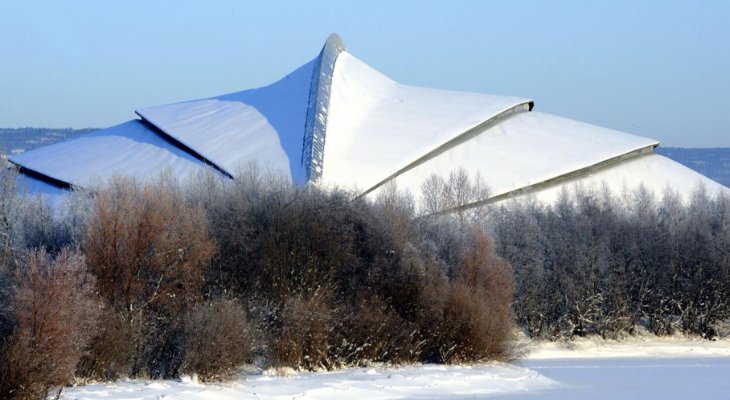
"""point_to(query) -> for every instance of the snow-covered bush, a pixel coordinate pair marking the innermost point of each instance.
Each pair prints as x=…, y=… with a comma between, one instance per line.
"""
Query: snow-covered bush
x=304, y=335
x=596, y=263
x=149, y=251
x=348, y=281
x=111, y=350
x=54, y=315
x=478, y=317
x=218, y=339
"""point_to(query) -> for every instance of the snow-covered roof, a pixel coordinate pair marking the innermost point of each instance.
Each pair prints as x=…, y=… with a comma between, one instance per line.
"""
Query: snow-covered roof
x=262, y=125
x=337, y=121
x=655, y=172
x=51, y=194
x=132, y=148
x=526, y=149
x=377, y=126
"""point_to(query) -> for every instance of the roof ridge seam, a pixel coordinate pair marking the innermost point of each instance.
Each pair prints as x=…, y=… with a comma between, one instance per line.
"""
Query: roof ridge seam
x=601, y=165
x=182, y=145
x=61, y=184
x=315, y=124
x=525, y=106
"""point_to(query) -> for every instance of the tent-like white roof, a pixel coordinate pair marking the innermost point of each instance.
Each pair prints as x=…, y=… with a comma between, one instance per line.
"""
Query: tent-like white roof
x=528, y=149
x=132, y=148
x=377, y=127
x=262, y=125
x=337, y=121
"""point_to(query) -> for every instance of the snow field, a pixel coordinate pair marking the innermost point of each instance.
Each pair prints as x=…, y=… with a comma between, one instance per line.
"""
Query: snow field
x=590, y=368
x=421, y=381
x=633, y=347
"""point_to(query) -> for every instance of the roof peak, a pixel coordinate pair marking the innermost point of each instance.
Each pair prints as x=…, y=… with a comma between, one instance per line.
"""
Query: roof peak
x=335, y=40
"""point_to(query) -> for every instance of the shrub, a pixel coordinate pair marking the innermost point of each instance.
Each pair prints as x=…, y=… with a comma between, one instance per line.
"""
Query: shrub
x=11, y=205
x=473, y=320
x=146, y=246
x=112, y=350
x=371, y=331
x=55, y=315
x=42, y=225
x=218, y=339
x=149, y=251
x=492, y=280
x=329, y=280
x=345, y=280
x=303, y=338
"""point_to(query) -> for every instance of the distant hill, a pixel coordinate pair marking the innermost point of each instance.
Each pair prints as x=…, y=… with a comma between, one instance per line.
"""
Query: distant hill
x=18, y=140
x=714, y=163
x=711, y=162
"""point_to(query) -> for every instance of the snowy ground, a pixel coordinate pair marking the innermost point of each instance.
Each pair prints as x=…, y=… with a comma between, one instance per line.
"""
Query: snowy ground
x=632, y=347
x=639, y=378
x=415, y=382
x=673, y=368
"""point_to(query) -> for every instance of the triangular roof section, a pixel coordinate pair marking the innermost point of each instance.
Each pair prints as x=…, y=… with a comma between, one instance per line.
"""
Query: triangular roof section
x=378, y=128
x=654, y=172
x=53, y=195
x=530, y=151
x=280, y=126
x=261, y=125
x=335, y=119
x=132, y=148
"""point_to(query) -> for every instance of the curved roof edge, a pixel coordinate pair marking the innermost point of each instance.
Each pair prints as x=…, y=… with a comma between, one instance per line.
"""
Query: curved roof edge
x=559, y=179
x=57, y=183
x=183, y=146
x=136, y=143
x=315, y=127
x=493, y=120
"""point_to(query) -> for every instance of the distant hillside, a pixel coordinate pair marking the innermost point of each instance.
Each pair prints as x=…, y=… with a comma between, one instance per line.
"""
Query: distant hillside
x=18, y=140
x=713, y=162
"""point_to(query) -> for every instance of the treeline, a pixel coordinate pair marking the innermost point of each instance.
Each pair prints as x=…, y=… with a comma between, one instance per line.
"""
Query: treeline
x=596, y=263
x=24, y=139
x=163, y=279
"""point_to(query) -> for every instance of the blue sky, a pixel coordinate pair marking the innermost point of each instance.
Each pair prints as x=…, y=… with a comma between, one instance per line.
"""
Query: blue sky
x=655, y=68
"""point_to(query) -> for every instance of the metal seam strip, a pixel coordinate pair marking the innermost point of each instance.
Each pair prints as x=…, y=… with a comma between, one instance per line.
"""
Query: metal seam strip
x=460, y=138
x=601, y=165
x=315, y=126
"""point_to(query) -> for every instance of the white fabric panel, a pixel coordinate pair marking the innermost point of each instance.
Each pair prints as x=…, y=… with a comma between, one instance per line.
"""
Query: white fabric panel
x=526, y=149
x=264, y=126
x=377, y=126
x=130, y=148
x=52, y=195
x=654, y=171
x=374, y=127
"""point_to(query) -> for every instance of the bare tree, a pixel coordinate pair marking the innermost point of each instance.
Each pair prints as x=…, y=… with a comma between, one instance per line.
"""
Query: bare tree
x=149, y=251
x=55, y=316
x=455, y=195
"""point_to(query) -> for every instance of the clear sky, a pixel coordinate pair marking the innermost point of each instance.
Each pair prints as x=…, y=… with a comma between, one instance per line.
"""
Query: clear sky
x=655, y=68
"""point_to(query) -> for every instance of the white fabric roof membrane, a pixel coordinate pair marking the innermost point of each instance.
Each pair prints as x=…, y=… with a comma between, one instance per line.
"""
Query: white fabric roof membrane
x=263, y=126
x=337, y=121
x=655, y=172
x=52, y=195
x=131, y=148
x=525, y=149
x=377, y=126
